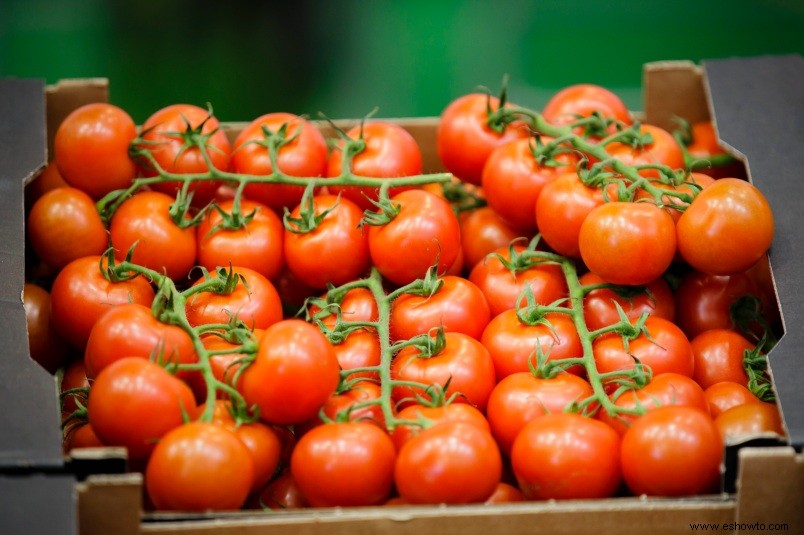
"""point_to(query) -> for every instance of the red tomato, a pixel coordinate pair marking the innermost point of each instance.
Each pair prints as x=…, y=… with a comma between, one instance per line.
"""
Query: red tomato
x=672, y=451
x=464, y=139
x=725, y=395
x=512, y=344
x=134, y=402
x=74, y=377
x=719, y=357
x=361, y=349
x=454, y=412
x=704, y=145
x=673, y=205
x=336, y=251
x=161, y=245
x=452, y=463
x=257, y=245
x=344, y=464
x=627, y=243
x=425, y=228
x=91, y=147
x=80, y=437
x=522, y=397
x=664, y=149
x=505, y=493
x=566, y=456
x=303, y=154
x=749, y=420
x=199, y=467
x=599, y=308
x=390, y=152
x=582, y=100
x=346, y=404
x=483, y=232
x=295, y=361
x=224, y=365
x=45, y=344
x=81, y=294
x=263, y=446
x=457, y=306
x=728, y=208
x=357, y=304
x=463, y=361
x=48, y=179
x=64, y=225
x=164, y=134
x=282, y=493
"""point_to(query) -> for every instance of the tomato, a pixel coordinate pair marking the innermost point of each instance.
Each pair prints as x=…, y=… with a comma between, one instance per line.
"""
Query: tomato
x=627, y=243
x=425, y=228
x=452, y=463
x=719, y=357
x=253, y=301
x=673, y=205
x=749, y=420
x=505, y=493
x=513, y=179
x=665, y=349
x=264, y=448
x=503, y=288
x=294, y=362
x=582, y=100
x=48, y=179
x=344, y=464
x=599, y=308
x=566, y=456
x=64, y=225
x=726, y=394
x=282, y=493
x=91, y=149
x=729, y=207
x=45, y=344
x=303, y=154
x=164, y=135
x=336, y=251
x=453, y=412
x=144, y=221
x=483, y=232
x=672, y=451
x=458, y=306
x=347, y=404
x=74, y=376
x=224, y=366
x=134, y=402
x=257, y=245
x=512, y=344
x=704, y=145
x=199, y=467
x=390, y=152
x=664, y=149
x=292, y=292
x=360, y=349
x=357, y=304
x=82, y=436
x=522, y=397
x=464, y=139
x=81, y=294
x=463, y=361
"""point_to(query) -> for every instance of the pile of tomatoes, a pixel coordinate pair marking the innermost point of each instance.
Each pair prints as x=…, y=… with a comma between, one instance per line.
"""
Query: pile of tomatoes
x=267, y=321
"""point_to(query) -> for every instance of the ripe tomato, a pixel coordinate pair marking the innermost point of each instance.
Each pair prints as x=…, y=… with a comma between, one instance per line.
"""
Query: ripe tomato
x=719, y=357
x=704, y=145
x=134, y=402
x=425, y=228
x=582, y=100
x=749, y=420
x=599, y=308
x=257, y=245
x=730, y=207
x=483, y=232
x=344, y=464
x=451, y=462
x=164, y=134
x=360, y=349
x=336, y=251
x=457, y=306
x=512, y=344
x=282, y=493
x=664, y=149
x=726, y=394
x=304, y=154
x=64, y=225
x=345, y=406
x=91, y=147
x=672, y=451
x=48, y=179
x=161, y=245
x=45, y=344
x=224, y=365
x=566, y=456
x=464, y=139
x=357, y=304
x=295, y=361
x=673, y=205
x=627, y=243
x=199, y=467
x=264, y=448
x=82, y=436
x=74, y=377
x=522, y=397
x=390, y=152
x=81, y=294
x=463, y=361
x=505, y=493
x=454, y=412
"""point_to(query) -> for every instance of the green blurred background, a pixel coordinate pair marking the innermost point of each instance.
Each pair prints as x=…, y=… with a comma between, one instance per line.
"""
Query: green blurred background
x=343, y=58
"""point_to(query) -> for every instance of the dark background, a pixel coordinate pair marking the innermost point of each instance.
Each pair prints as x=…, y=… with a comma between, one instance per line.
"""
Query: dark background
x=343, y=58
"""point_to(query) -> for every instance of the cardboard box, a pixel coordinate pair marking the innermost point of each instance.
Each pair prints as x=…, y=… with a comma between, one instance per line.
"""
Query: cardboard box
x=757, y=104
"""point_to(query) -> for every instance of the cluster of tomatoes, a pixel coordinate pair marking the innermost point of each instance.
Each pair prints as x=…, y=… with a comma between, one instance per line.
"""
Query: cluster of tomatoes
x=569, y=313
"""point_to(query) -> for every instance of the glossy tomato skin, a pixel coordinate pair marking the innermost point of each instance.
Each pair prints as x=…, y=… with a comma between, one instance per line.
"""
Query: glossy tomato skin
x=582, y=100
x=627, y=243
x=390, y=152
x=749, y=419
x=719, y=355
x=263, y=445
x=199, y=467
x=726, y=394
x=483, y=232
x=663, y=150
x=566, y=456
x=505, y=493
x=45, y=344
x=672, y=451
x=464, y=140
x=258, y=245
x=728, y=208
x=454, y=412
x=82, y=436
x=74, y=377
x=303, y=155
x=161, y=245
x=294, y=361
x=600, y=311
x=673, y=205
x=344, y=464
x=281, y=494
x=360, y=349
x=91, y=149
x=452, y=463
x=425, y=228
x=341, y=406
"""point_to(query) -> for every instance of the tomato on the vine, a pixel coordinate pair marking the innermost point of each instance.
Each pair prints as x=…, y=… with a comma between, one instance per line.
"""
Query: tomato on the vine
x=726, y=394
x=360, y=349
x=453, y=412
x=662, y=150
x=483, y=232
x=581, y=100
x=45, y=344
x=346, y=406
x=719, y=355
x=749, y=419
x=599, y=309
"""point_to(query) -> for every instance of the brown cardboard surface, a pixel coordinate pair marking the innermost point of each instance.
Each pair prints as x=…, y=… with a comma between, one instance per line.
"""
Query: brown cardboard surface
x=672, y=88
x=110, y=504
x=770, y=489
